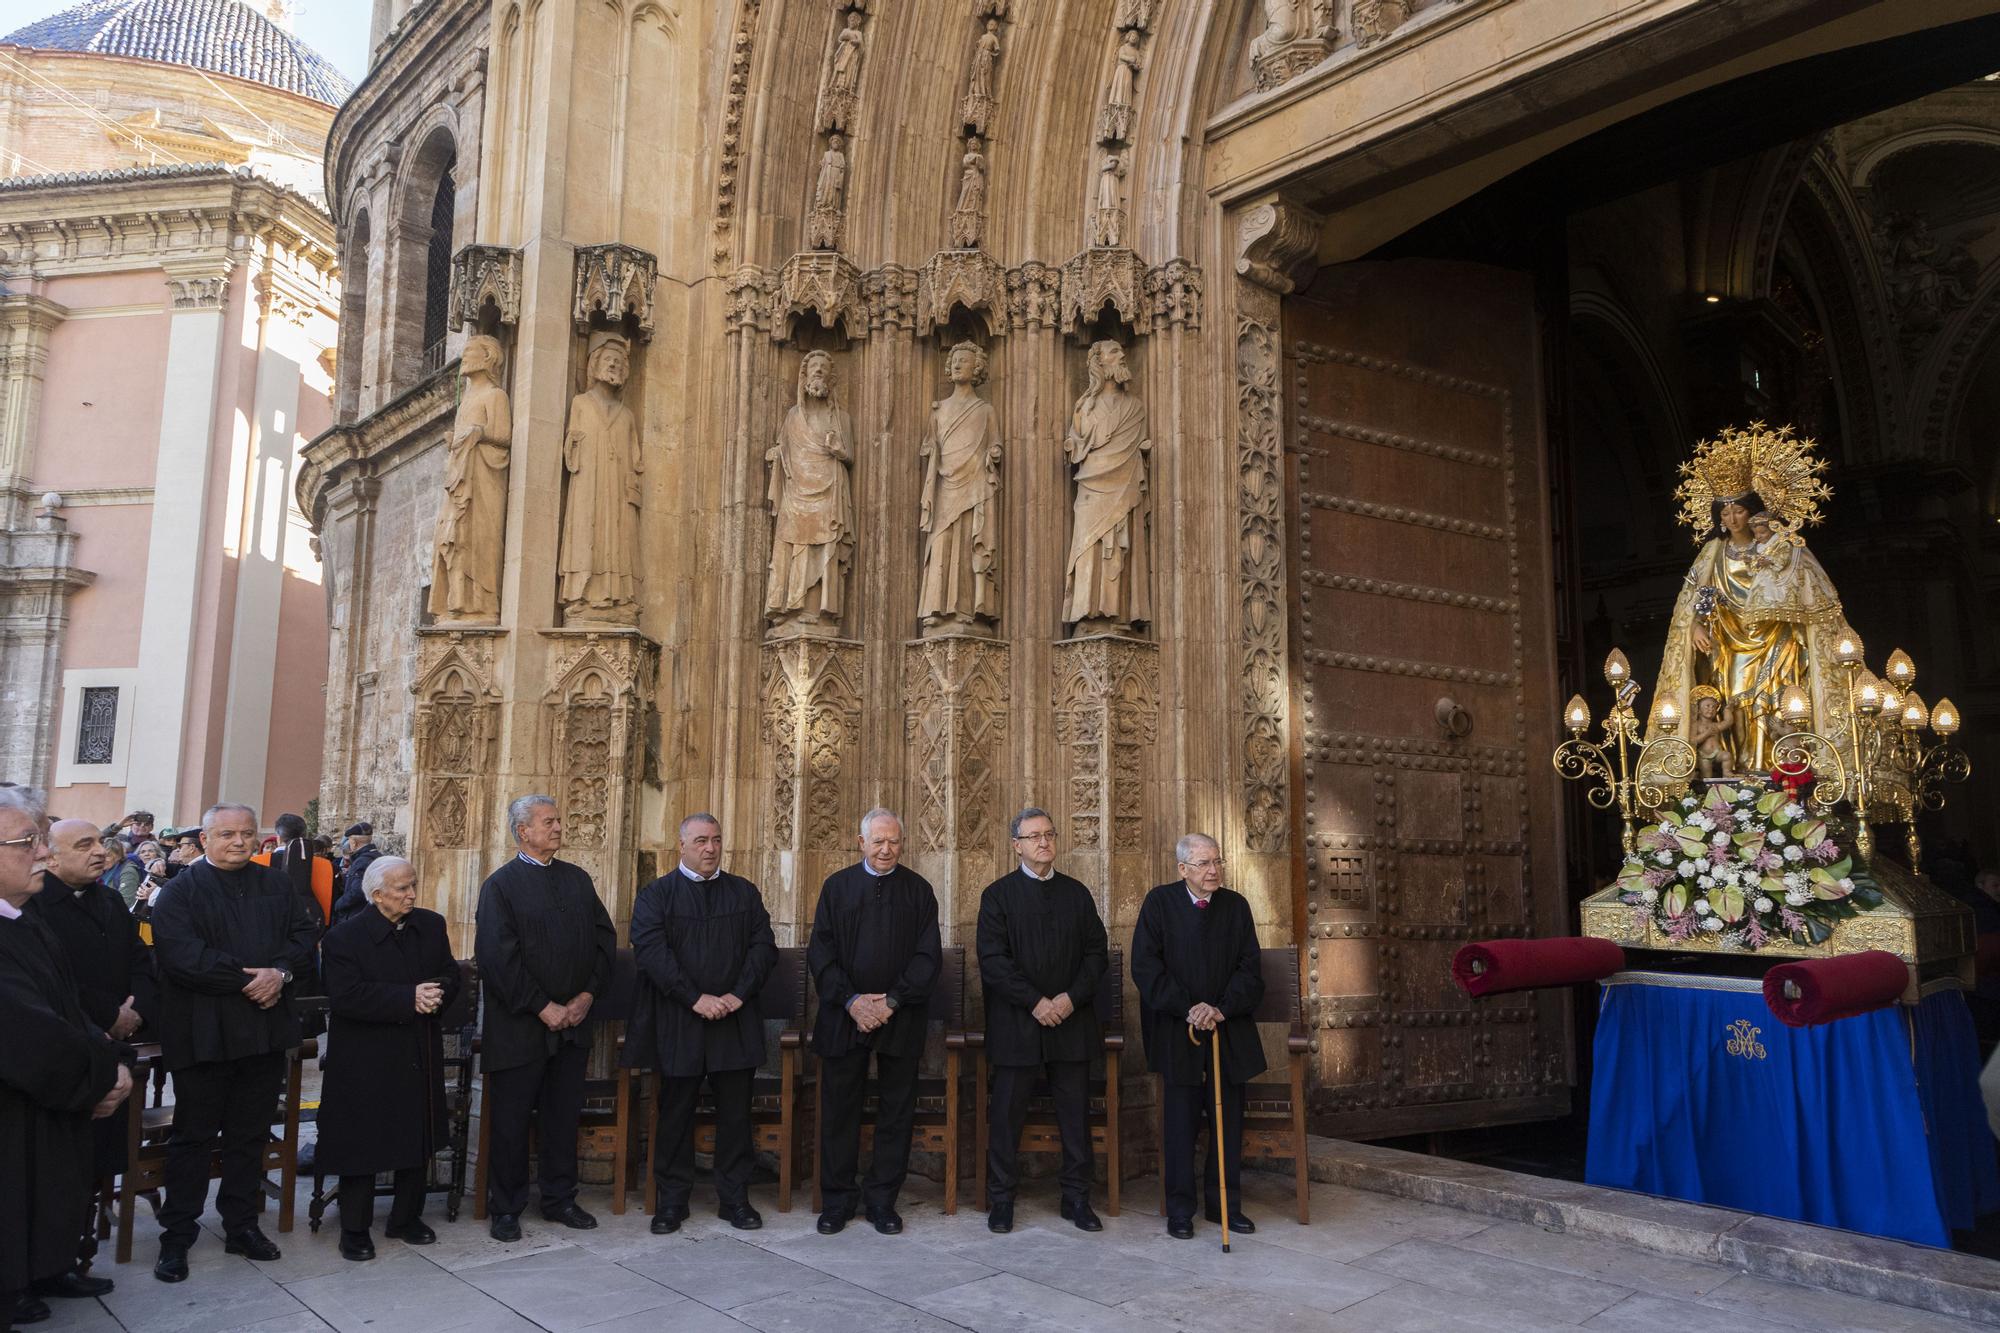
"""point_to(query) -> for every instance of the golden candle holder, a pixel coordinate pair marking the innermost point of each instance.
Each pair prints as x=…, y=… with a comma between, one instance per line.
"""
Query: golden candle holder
x=1635, y=784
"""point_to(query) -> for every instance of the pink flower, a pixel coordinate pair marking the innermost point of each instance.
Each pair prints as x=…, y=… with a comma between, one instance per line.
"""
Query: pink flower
x=1768, y=860
x=1664, y=841
x=1824, y=851
x=1791, y=921
x=1640, y=916
x=1754, y=934
x=1682, y=926
x=1659, y=877
x=1718, y=855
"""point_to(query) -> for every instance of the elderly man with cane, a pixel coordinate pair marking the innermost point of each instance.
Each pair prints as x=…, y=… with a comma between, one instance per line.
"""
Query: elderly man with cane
x=1199, y=973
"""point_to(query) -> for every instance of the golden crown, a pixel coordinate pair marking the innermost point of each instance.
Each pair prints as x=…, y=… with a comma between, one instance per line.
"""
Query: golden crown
x=1774, y=462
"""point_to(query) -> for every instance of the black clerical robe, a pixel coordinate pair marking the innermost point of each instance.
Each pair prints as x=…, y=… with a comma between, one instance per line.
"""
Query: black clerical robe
x=382, y=1105
x=542, y=937
x=692, y=938
x=101, y=938
x=1039, y=939
x=55, y=1066
x=207, y=928
x=874, y=934
x=1183, y=955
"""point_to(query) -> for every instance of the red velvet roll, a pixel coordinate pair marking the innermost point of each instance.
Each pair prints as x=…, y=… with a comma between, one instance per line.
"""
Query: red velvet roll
x=1829, y=989
x=1509, y=965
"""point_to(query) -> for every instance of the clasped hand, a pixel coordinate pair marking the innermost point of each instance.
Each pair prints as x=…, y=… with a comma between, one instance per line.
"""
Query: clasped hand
x=1204, y=1017
x=1051, y=1012
x=556, y=1017
x=119, y=1092
x=713, y=1007
x=430, y=995
x=265, y=986
x=869, y=1011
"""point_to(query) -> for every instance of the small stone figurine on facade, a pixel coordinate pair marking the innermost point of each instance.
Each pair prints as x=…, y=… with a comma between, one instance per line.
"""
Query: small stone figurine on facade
x=465, y=575
x=823, y=225
x=969, y=217
x=1107, y=223
x=599, y=557
x=960, y=513
x=1110, y=560
x=837, y=105
x=812, y=506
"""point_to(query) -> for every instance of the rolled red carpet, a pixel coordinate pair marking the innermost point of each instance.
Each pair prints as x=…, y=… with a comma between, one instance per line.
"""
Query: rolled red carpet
x=1828, y=989
x=1493, y=966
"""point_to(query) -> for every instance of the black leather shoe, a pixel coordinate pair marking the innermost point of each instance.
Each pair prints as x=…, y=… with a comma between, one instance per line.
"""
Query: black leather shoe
x=251, y=1244
x=834, y=1220
x=72, y=1286
x=668, y=1220
x=412, y=1233
x=1238, y=1223
x=1180, y=1228
x=743, y=1217
x=571, y=1216
x=1080, y=1213
x=504, y=1226
x=172, y=1265
x=1000, y=1220
x=356, y=1245
x=886, y=1220
x=30, y=1310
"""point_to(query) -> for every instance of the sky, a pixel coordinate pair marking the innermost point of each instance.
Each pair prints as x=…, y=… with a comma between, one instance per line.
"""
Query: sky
x=337, y=29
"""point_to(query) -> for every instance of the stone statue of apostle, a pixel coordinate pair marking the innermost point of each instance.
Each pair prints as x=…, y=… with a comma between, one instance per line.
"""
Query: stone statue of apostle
x=812, y=505
x=599, y=559
x=1110, y=563
x=465, y=574
x=959, y=518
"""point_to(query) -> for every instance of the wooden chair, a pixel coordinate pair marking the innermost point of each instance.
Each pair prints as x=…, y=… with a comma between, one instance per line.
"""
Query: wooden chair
x=936, y=1125
x=1039, y=1132
x=776, y=1125
x=149, y=1127
x=1274, y=1114
x=601, y=1128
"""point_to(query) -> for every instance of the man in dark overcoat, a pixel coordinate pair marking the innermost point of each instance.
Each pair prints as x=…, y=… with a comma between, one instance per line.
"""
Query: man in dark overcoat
x=1196, y=964
x=702, y=939
x=1042, y=955
x=389, y=974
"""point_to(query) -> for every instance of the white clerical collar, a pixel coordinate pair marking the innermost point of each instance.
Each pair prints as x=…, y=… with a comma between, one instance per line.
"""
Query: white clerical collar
x=701, y=879
x=9, y=912
x=1026, y=870
x=1198, y=900
x=533, y=862
x=879, y=874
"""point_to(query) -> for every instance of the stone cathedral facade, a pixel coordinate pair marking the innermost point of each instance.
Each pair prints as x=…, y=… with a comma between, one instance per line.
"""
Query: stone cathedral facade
x=967, y=404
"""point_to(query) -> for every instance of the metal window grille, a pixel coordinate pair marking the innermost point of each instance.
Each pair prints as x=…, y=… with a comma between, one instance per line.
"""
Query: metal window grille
x=97, y=724
x=437, y=271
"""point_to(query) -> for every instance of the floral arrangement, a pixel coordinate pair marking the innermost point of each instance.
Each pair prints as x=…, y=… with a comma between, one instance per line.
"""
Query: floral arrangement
x=1744, y=863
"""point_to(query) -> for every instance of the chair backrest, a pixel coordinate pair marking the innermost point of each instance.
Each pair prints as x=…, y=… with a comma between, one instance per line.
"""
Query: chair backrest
x=619, y=1005
x=784, y=995
x=948, y=999
x=464, y=1008
x=1110, y=1002
x=1281, y=989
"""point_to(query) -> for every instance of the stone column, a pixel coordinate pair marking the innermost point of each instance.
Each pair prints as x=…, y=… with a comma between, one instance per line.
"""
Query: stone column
x=25, y=324
x=1107, y=714
x=349, y=526
x=812, y=730
x=455, y=725
x=597, y=714
x=38, y=576
x=956, y=690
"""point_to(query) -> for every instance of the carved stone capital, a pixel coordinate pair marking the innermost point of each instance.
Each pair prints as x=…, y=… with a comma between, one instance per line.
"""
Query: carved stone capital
x=1034, y=295
x=748, y=293
x=614, y=281
x=1107, y=713
x=198, y=293
x=822, y=282
x=1277, y=244
x=1102, y=276
x=482, y=273
x=955, y=692
x=891, y=295
x=812, y=724
x=1372, y=20
x=1173, y=295
x=969, y=278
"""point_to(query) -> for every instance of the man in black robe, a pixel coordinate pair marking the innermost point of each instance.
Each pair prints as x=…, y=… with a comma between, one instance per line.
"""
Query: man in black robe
x=1042, y=954
x=114, y=977
x=361, y=853
x=704, y=947
x=57, y=1072
x=545, y=947
x=389, y=973
x=1196, y=964
x=229, y=937
x=874, y=958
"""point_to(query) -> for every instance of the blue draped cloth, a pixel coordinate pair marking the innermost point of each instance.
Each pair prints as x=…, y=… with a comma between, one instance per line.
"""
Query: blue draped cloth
x=1873, y=1123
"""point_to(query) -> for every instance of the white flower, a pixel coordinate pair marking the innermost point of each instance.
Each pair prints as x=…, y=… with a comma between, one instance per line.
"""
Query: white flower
x=1685, y=868
x=1650, y=895
x=1689, y=802
x=1713, y=923
x=1719, y=840
x=1706, y=881
x=1795, y=853
x=1744, y=796
x=1701, y=821
x=1775, y=838
x=1762, y=904
x=1792, y=813
x=1797, y=897
x=1664, y=858
x=1847, y=885
x=1795, y=879
x=1701, y=907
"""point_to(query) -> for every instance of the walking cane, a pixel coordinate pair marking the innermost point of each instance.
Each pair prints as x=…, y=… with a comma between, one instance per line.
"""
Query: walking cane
x=1215, y=1128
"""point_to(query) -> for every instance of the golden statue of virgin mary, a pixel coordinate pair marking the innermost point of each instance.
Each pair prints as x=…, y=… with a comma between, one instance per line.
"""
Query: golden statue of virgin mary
x=1757, y=613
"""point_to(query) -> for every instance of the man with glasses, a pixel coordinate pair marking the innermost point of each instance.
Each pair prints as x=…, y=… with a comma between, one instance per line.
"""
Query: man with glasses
x=1042, y=955
x=1197, y=967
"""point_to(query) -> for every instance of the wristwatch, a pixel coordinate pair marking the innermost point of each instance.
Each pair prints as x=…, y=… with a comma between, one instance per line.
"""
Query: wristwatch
x=285, y=976
x=890, y=1001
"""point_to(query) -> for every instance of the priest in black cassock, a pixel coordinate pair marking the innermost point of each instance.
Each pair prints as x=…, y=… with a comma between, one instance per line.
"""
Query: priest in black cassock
x=545, y=947
x=1042, y=955
x=1196, y=964
x=703, y=942
x=114, y=978
x=389, y=974
x=874, y=958
x=229, y=938
x=57, y=1072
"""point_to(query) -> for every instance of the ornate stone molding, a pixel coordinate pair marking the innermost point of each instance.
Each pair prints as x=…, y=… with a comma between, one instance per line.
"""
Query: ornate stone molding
x=1173, y=295
x=971, y=278
x=600, y=688
x=822, y=282
x=730, y=158
x=613, y=281
x=1297, y=35
x=1277, y=243
x=1260, y=492
x=482, y=273
x=1102, y=276
x=1034, y=295
x=199, y=293
x=455, y=725
x=1107, y=711
x=1373, y=20
x=892, y=297
x=812, y=722
x=955, y=692
x=748, y=294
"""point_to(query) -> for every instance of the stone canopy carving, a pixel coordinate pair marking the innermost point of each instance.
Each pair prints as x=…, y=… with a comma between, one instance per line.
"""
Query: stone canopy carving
x=1297, y=35
x=465, y=572
x=1109, y=585
x=812, y=506
x=483, y=273
x=960, y=510
x=598, y=564
x=613, y=281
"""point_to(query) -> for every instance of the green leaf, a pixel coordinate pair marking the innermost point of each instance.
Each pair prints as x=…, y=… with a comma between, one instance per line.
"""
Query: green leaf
x=1672, y=817
x=1676, y=900
x=1809, y=831
x=1748, y=836
x=1692, y=846
x=1828, y=890
x=1768, y=803
x=1817, y=931
x=1726, y=793
x=1773, y=886
x=1842, y=868
x=1727, y=901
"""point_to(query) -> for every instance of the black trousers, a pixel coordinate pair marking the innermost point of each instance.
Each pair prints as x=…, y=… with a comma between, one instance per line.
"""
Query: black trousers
x=1189, y=1108
x=1069, y=1087
x=843, y=1088
x=673, y=1158
x=549, y=1092
x=238, y=1100
x=357, y=1200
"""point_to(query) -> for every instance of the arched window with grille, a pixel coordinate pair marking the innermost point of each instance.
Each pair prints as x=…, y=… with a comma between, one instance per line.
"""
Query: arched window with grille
x=437, y=270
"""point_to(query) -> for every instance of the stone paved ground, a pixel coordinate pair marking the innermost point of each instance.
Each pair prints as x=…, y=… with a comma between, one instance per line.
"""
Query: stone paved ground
x=1369, y=1263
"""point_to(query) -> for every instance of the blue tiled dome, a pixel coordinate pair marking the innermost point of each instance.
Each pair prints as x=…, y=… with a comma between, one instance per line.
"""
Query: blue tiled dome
x=223, y=36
